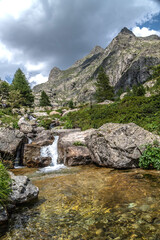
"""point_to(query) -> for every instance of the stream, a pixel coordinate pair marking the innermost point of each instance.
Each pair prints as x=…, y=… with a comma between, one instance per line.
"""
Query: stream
x=90, y=203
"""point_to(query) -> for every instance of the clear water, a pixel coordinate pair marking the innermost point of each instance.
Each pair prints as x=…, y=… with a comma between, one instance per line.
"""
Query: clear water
x=88, y=202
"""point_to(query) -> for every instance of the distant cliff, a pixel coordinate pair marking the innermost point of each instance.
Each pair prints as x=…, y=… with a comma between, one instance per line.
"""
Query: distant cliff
x=126, y=60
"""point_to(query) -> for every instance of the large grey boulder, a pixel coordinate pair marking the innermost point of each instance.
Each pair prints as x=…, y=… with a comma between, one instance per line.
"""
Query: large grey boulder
x=72, y=149
x=118, y=145
x=10, y=141
x=23, y=190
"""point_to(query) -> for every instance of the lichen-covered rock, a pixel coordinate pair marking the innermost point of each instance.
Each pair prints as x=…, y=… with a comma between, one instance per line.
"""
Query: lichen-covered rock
x=118, y=145
x=23, y=190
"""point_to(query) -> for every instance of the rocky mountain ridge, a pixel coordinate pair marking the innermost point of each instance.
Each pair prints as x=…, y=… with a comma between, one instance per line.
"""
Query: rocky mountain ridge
x=126, y=60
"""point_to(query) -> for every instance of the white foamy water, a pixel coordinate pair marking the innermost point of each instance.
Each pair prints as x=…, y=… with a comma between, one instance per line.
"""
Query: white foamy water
x=51, y=151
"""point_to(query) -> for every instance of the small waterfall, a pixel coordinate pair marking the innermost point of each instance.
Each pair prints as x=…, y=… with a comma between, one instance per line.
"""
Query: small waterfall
x=17, y=160
x=29, y=140
x=51, y=151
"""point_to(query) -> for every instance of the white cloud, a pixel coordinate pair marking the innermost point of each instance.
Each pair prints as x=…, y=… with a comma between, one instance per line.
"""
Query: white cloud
x=144, y=32
x=37, y=79
x=34, y=67
x=14, y=8
x=5, y=54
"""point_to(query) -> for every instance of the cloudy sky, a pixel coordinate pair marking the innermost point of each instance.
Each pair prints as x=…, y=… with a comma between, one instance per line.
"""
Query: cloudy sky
x=36, y=35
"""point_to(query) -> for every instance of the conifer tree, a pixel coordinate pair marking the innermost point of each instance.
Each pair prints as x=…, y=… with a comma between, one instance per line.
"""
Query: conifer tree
x=21, y=84
x=44, y=100
x=103, y=89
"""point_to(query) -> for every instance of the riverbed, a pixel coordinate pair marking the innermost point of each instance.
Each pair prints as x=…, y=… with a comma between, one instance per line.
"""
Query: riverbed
x=89, y=202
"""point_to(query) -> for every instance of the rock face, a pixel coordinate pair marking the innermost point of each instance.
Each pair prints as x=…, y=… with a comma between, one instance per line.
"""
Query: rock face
x=3, y=220
x=126, y=61
x=10, y=141
x=72, y=149
x=32, y=152
x=23, y=190
x=118, y=145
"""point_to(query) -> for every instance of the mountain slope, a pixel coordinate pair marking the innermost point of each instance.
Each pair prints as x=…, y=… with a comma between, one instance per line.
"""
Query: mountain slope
x=126, y=60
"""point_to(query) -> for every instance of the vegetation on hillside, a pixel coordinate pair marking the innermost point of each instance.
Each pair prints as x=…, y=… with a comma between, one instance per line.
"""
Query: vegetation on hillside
x=143, y=111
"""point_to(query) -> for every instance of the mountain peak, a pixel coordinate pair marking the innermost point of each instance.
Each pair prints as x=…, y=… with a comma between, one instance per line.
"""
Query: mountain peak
x=126, y=31
x=97, y=49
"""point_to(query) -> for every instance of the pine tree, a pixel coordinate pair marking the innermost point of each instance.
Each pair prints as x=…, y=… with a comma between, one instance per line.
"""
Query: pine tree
x=103, y=89
x=44, y=100
x=4, y=89
x=21, y=84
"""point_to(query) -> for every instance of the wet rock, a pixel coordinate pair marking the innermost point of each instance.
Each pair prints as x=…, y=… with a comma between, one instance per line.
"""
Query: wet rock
x=118, y=145
x=77, y=155
x=23, y=190
x=10, y=141
x=32, y=152
x=32, y=156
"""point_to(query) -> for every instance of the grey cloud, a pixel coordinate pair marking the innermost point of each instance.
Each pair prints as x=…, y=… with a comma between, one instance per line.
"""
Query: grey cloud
x=60, y=32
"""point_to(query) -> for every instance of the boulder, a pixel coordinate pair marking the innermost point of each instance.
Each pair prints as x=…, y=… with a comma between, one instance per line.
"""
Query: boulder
x=26, y=126
x=54, y=113
x=77, y=155
x=23, y=190
x=72, y=149
x=32, y=156
x=106, y=102
x=119, y=145
x=40, y=114
x=71, y=110
x=10, y=141
x=44, y=138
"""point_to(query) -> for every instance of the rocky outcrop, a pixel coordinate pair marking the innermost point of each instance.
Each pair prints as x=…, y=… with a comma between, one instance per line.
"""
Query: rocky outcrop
x=72, y=149
x=10, y=141
x=32, y=152
x=118, y=145
x=126, y=60
x=23, y=190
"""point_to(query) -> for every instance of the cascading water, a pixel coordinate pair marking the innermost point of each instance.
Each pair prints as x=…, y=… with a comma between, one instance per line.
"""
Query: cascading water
x=51, y=151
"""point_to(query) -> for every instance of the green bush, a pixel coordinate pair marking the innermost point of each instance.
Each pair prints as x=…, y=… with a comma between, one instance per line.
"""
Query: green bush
x=5, y=183
x=78, y=143
x=150, y=158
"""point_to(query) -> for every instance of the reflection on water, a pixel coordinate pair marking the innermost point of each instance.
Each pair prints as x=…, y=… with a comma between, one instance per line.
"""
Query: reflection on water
x=92, y=203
